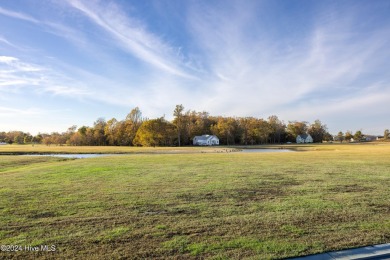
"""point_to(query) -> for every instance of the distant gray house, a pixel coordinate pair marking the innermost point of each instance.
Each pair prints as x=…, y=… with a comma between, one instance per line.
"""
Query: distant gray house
x=369, y=138
x=305, y=138
x=2, y=143
x=206, y=140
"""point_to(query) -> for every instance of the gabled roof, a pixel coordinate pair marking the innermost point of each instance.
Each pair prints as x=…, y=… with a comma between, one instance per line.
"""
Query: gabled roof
x=372, y=136
x=204, y=137
x=304, y=136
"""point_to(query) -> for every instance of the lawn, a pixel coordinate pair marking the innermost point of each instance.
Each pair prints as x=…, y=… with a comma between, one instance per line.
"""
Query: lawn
x=196, y=205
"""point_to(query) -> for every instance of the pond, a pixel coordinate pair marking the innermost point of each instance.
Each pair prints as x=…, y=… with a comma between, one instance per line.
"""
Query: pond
x=95, y=155
x=73, y=156
x=266, y=150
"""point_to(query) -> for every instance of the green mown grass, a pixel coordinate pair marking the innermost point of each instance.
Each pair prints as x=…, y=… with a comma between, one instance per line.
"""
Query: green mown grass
x=214, y=205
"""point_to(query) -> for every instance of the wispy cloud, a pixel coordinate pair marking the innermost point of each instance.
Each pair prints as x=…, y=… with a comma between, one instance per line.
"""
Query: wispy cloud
x=133, y=37
x=253, y=74
x=15, y=73
x=66, y=32
x=4, y=40
x=17, y=65
x=12, y=112
x=67, y=91
x=229, y=58
x=55, y=28
x=18, y=15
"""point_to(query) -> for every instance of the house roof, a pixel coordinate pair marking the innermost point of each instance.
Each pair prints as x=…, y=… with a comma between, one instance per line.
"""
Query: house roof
x=205, y=137
x=371, y=136
x=304, y=136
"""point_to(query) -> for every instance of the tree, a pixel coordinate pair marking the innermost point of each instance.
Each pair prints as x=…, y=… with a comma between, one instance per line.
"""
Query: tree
x=85, y=136
x=226, y=129
x=82, y=130
x=295, y=128
x=386, y=134
x=348, y=136
x=190, y=125
x=57, y=138
x=244, y=124
x=27, y=139
x=178, y=121
x=110, y=131
x=69, y=133
x=131, y=125
x=90, y=136
x=278, y=129
x=263, y=130
x=135, y=116
x=76, y=139
x=18, y=137
x=328, y=137
x=253, y=131
x=47, y=140
x=194, y=123
x=185, y=125
x=358, y=136
x=340, y=136
x=317, y=131
x=38, y=138
x=155, y=132
x=98, y=132
x=204, y=122
x=121, y=136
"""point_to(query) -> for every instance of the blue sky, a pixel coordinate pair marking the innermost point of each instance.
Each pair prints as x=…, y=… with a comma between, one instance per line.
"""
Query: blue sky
x=70, y=62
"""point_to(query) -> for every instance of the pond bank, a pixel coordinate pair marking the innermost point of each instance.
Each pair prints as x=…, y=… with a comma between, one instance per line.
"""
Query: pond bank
x=73, y=156
x=174, y=151
x=265, y=150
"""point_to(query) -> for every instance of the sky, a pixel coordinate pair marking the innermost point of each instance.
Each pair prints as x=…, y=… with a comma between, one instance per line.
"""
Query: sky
x=70, y=62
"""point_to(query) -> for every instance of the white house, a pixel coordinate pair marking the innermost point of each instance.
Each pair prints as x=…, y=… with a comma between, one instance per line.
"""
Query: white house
x=2, y=143
x=206, y=140
x=305, y=138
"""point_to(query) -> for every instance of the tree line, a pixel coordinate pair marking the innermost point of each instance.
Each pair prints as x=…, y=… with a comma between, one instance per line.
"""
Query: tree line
x=136, y=130
x=358, y=136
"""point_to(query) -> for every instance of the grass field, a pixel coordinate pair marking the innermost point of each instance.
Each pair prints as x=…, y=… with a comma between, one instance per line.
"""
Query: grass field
x=196, y=205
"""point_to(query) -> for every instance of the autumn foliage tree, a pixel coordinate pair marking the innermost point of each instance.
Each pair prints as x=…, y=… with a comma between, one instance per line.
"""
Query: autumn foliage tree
x=136, y=130
x=178, y=121
x=295, y=128
x=155, y=132
x=226, y=129
x=348, y=136
x=277, y=128
x=317, y=130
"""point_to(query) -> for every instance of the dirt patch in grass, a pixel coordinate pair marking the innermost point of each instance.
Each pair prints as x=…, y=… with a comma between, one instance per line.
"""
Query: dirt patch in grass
x=197, y=197
x=380, y=207
x=325, y=217
x=45, y=214
x=261, y=194
x=349, y=188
